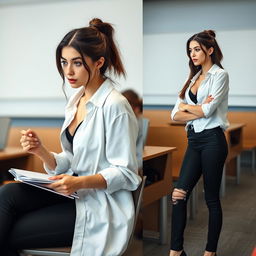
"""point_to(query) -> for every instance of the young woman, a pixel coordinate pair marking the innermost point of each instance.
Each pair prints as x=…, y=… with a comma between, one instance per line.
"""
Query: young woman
x=203, y=105
x=98, y=160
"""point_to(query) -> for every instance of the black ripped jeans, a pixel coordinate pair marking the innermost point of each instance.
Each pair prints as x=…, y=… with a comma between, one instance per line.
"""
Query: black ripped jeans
x=206, y=154
x=34, y=218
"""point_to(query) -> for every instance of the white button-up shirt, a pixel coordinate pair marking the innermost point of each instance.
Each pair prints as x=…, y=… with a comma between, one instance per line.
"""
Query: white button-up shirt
x=216, y=83
x=105, y=143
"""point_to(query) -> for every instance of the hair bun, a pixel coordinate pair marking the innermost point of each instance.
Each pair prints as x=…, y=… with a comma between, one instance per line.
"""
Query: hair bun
x=95, y=22
x=101, y=26
x=210, y=32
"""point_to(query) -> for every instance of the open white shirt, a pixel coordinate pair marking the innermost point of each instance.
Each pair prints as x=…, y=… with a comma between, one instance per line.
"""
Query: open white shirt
x=105, y=143
x=216, y=83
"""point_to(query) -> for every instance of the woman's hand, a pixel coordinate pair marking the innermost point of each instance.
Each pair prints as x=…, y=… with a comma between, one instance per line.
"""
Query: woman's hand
x=208, y=99
x=65, y=184
x=30, y=141
x=182, y=107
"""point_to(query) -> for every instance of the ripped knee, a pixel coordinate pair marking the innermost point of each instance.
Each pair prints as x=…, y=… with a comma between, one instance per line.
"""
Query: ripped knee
x=178, y=194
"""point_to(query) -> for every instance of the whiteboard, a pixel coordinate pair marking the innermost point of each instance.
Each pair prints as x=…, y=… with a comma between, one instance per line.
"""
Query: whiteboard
x=166, y=66
x=29, y=36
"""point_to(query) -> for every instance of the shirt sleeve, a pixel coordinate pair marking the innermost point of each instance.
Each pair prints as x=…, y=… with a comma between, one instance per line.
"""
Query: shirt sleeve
x=121, y=135
x=63, y=164
x=219, y=91
x=176, y=107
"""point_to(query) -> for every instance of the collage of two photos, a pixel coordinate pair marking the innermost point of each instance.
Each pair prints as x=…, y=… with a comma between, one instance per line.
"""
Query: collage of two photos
x=127, y=128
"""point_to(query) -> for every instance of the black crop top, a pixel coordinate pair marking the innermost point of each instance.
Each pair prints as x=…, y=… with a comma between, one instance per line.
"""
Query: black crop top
x=70, y=138
x=193, y=96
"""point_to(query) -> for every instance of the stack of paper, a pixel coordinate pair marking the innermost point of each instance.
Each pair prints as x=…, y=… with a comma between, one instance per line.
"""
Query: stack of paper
x=39, y=180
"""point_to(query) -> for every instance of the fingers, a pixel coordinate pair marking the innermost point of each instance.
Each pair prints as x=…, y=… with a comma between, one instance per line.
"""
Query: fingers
x=27, y=144
x=179, y=194
x=182, y=107
x=57, y=177
x=28, y=133
x=56, y=185
x=60, y=181
x=64, y=184
x=209, y=99
x=29, y=140
x=60, y=187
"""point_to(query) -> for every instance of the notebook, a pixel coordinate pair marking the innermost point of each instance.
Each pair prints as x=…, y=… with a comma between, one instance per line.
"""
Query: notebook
x=36, y=179
x=4, y=131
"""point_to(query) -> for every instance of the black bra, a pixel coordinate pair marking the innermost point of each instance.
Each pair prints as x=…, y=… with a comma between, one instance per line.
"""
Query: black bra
x=70, y=138
x=193, y=96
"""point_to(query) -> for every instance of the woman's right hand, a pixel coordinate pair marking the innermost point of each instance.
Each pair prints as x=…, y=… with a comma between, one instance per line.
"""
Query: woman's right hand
x=208, y=99
x=30, y=142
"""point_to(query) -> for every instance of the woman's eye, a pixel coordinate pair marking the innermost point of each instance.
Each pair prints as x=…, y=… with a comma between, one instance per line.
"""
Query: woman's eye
x=198, y=49
x=78, y=63
x=63, y=63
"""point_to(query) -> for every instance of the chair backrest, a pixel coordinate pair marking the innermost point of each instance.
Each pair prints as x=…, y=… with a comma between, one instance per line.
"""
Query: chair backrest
x=137, y=198
x=4, y=131
x=145, y=130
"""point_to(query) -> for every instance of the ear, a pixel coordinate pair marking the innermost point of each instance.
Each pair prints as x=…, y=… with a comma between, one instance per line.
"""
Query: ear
x=100, y=62
x=210, y=50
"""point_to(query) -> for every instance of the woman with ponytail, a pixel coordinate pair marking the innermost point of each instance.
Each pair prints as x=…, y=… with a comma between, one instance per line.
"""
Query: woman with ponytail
x=98, y=160
x=203, y=105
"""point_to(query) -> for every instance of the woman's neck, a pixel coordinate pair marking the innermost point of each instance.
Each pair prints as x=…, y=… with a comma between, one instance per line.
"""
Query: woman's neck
x=206, y=67
x=93, y=86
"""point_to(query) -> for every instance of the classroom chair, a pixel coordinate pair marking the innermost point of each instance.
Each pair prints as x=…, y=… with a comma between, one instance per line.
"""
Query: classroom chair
x=251, y=147
x=137, y=198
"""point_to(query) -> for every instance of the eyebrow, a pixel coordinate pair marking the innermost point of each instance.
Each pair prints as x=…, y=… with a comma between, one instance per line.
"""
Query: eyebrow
x=194, y=47
x=76, y=58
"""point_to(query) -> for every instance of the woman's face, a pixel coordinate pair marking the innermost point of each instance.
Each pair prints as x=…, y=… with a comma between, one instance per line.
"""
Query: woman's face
x=197, y=55
x=74, y=69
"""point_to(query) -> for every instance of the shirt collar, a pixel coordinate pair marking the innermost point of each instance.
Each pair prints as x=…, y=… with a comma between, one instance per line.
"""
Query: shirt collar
x=98, y=97
x=102, y=93
x=214, y=68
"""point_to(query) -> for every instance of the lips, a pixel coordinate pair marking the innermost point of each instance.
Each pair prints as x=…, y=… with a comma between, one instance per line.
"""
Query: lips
x=194, y=60
x=72, y=81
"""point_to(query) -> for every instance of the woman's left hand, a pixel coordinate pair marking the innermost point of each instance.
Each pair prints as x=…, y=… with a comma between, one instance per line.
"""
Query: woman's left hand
x=182, y=107
x=65, y=184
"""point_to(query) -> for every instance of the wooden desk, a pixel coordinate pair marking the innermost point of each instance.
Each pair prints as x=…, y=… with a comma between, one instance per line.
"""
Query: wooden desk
x=234, y=137
x=174, y=134
x=14, y=157
x=249, y=134
x=160, y=159
x=169, y=136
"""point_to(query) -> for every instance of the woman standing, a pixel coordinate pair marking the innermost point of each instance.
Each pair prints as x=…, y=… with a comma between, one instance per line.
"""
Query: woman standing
x=203, y=105
x=98, y=161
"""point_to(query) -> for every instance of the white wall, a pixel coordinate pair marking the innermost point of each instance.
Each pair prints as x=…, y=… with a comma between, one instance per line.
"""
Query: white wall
x=30, y=31
x=168, y=25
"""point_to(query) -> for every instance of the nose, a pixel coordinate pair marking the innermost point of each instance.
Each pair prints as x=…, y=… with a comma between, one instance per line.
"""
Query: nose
x=69, y=70
x=192, y=53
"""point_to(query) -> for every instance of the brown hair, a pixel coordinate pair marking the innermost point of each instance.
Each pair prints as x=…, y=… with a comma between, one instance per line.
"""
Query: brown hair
x=94, y=41
x=133, y=98
x=207, y=39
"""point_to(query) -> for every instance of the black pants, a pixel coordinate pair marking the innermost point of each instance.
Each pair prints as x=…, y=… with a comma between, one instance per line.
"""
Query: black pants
x=34, y=218
x=206, y=154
